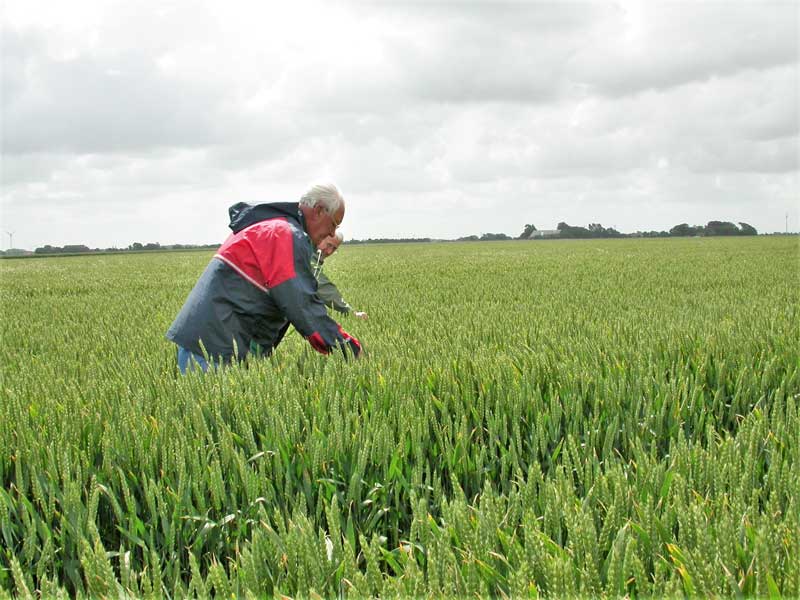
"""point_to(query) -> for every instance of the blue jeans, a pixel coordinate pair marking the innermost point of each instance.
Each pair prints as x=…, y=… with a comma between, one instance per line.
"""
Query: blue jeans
x=187, y=361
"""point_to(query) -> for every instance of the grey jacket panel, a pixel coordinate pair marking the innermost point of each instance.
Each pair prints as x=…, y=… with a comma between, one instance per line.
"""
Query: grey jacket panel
x=221, y=312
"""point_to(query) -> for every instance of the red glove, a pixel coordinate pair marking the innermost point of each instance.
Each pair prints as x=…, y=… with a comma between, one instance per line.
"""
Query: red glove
x=353, y=343
x=316, y=341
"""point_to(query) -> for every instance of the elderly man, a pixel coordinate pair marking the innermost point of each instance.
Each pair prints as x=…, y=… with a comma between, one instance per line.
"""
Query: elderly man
x=326, y=290
x=260, y=281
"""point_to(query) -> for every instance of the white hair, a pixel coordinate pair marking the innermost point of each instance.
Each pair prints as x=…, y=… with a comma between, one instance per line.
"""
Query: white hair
x=339, y=236
x=327, y=196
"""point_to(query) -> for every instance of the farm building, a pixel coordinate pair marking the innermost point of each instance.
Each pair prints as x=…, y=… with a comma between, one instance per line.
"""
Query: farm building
x=543, y=233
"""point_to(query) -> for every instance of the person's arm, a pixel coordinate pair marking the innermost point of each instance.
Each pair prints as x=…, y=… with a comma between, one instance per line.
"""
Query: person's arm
x=297, y=298
x=330, y=295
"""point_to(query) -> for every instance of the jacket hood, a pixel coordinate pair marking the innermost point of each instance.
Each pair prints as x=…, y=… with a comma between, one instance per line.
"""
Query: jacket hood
x=243, y=215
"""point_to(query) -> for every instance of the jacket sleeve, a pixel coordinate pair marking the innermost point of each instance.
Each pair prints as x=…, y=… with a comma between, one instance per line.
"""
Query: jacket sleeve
x=297, y=299
x=330, y=295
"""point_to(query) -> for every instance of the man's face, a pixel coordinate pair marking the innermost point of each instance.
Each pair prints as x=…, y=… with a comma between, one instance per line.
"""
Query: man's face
x=320, y=224
x=329, y=245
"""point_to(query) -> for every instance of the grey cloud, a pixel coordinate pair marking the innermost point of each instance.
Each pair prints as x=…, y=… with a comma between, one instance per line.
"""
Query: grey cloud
x=598, y=157
x=744, y=122
x=541, y=53
x=447, y=53
x=773, y=124
x=110, y=181
x=682, y=42
x=489, y=142
x=406, y=128
x=774, y=113
x=107, y=104
x=313, y=136
x=382, y=165
x=259, y=138
x=476, y=52
x=31, y=168
x=771, y=156
x=15, y=57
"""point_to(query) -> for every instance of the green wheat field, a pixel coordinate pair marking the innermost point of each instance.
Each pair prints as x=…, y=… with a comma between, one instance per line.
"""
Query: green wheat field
x=591, y=419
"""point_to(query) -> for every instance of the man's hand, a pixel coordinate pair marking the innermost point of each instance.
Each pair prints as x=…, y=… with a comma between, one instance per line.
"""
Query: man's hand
x=360, y=314
x=353, y=343
x=347, y=343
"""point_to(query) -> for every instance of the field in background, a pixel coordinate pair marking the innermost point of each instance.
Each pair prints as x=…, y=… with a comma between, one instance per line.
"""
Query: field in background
x=532, y=418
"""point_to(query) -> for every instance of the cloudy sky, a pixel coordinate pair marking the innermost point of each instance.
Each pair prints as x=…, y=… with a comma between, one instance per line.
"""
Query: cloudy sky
x=143, y=121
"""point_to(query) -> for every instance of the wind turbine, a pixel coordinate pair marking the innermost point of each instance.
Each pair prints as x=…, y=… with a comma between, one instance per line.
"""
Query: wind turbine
x=10, y=239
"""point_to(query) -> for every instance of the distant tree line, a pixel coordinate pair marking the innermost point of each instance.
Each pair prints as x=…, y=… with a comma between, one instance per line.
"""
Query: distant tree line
x=15, y=253
x=134, y=247
x=593, y=230
x=713, y=228
x=486, y=237
x=388, y=241
x=596, y=230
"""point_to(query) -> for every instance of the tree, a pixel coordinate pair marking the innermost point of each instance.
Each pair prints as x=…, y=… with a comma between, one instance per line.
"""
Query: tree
x=567, y=231
x=682, y=230
x=74, y=248
x=135, y=246
x=526, y=233
x=747, y=229
x=721, y=228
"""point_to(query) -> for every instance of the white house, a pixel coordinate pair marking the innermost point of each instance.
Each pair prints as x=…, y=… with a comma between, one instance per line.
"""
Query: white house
x=544, y=233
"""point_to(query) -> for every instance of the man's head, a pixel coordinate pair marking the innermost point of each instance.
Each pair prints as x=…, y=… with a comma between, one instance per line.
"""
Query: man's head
x=323, y=210
x=330, y=244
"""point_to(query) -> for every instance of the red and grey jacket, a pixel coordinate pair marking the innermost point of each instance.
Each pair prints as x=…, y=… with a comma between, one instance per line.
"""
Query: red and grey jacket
x=258, y=283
